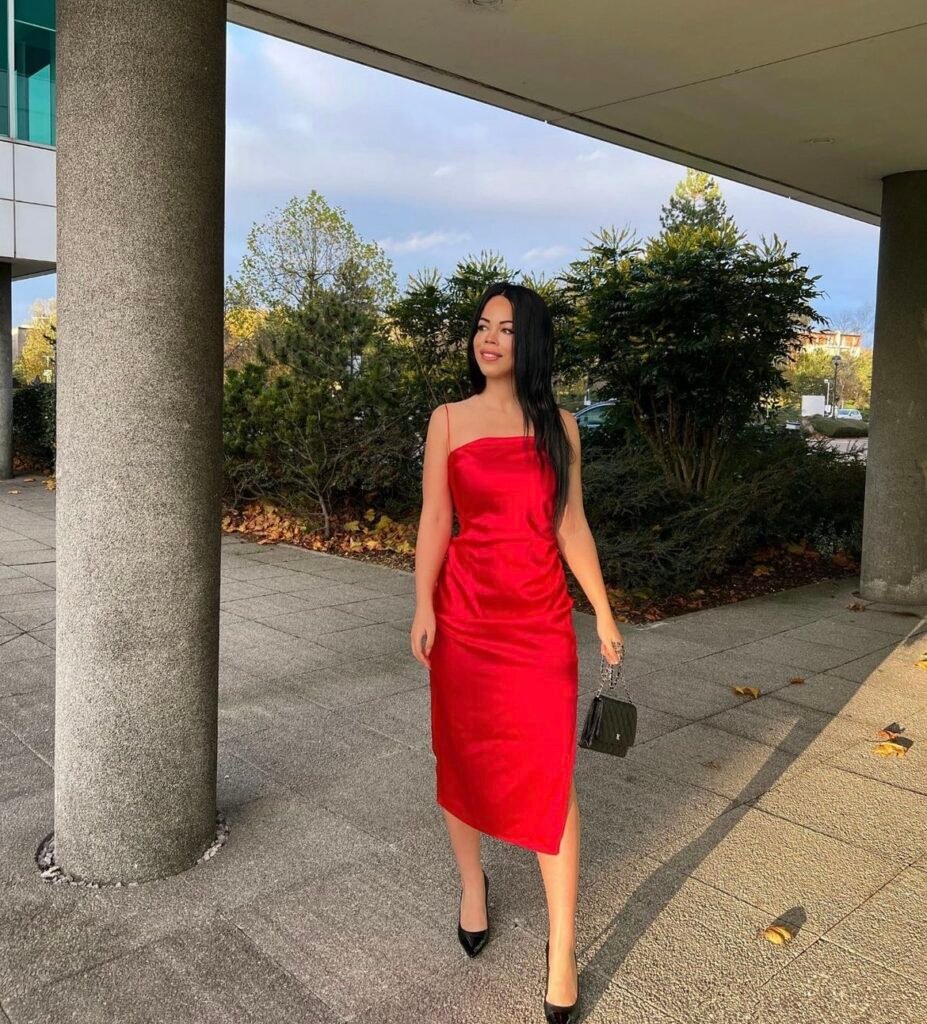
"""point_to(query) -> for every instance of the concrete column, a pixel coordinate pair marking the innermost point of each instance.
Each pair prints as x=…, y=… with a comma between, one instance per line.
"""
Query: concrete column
x=6, y=371
x=894, y=560
x=140, y=179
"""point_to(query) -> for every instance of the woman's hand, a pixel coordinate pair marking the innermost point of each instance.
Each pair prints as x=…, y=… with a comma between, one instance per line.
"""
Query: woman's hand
x=611, y=637
x=423, y=635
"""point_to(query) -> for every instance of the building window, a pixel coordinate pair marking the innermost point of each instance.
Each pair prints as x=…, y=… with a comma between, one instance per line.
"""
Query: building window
x=4, y=68
x=34, y=64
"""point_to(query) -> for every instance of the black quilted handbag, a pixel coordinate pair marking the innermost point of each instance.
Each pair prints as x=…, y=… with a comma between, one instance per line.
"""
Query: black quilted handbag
x=611, y=723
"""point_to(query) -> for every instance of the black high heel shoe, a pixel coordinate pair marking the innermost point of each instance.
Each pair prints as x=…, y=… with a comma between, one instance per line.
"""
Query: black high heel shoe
x=473, y=942
x=558, y=1014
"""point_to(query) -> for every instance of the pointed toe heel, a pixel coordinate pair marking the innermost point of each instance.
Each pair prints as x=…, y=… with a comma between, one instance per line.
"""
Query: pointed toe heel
x=473, y=942
x=553, y=1013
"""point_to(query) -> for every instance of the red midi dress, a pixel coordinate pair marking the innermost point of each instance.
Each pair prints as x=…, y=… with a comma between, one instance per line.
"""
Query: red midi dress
x=504, y=668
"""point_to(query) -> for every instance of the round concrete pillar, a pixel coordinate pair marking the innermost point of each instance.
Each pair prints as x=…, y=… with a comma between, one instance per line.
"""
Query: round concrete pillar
x=140, y=182
x=894, y=559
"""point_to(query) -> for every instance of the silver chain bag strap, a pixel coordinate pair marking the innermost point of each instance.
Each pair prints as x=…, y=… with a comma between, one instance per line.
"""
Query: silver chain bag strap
x=611, y=723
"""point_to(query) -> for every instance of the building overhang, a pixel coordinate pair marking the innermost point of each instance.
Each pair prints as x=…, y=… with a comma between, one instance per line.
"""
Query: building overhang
x=816, y=102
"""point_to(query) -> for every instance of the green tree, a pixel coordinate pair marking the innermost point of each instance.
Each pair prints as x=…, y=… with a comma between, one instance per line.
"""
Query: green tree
x=811, y=372
x=37, y=359
x=435, y=312
x=305, y=248
x=690, y=330
x=318, y=419
x=695, y=203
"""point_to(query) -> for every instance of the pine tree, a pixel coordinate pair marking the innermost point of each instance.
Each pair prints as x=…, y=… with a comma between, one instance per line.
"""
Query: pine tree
x=696, y=202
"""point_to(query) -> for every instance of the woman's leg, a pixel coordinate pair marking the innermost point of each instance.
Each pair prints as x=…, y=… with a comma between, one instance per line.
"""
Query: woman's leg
x=465, y=841
x=561, y=881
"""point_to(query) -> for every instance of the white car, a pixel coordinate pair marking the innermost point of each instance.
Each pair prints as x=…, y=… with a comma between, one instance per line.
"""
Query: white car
x=849, y=414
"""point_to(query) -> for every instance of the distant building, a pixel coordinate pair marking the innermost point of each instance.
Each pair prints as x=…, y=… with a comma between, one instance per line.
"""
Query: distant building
x=841, y=343
x=20, y=334
x=27, y=139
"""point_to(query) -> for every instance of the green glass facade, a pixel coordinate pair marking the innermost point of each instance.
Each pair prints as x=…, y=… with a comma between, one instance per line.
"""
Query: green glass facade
x=4, y=69
x=27, y=44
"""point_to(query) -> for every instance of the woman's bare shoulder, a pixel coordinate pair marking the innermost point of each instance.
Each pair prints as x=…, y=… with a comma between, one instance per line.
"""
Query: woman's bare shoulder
x=568, y=418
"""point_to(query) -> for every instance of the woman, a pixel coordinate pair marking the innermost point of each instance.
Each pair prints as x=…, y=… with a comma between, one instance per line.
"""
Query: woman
x=493, y=621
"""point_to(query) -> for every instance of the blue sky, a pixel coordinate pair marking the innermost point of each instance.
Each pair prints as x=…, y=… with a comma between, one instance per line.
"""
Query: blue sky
x=434, y=177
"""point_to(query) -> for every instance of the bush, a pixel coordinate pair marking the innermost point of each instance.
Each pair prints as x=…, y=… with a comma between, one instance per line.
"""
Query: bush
x=830, y=427
x=776, y=489
x=34, y=425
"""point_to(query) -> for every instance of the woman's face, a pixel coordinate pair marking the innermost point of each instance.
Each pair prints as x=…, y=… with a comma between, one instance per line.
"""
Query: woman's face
x=494, y=341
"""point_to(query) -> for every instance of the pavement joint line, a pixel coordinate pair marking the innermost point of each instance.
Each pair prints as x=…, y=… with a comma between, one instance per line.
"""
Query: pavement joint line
x=870, y=778
x=771, y=636
x=92, y=967
x=303, y=987
x=868, y=899
x=819, y=934
x=743, y=800
x=844, y=842
x=865, y=956
x=35, y=753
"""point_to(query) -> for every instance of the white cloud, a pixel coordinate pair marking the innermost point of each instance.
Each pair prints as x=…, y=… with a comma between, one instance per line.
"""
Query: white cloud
x=419, y=241
x=306, y=119
x=546, y=255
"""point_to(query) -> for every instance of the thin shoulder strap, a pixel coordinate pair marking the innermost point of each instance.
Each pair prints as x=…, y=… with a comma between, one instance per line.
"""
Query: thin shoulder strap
x=447, y=412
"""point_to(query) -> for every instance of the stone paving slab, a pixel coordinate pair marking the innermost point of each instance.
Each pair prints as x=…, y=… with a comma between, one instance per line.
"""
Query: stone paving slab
x=30, y=716
x=353, y=935
x=718, y=761
x=891, y=927
x=827, y=983
x=672, y=940
x=211, y=974
x=868, y=703
x=335, y=897
x=864, y=812
x=780, y=867
x=22, y=676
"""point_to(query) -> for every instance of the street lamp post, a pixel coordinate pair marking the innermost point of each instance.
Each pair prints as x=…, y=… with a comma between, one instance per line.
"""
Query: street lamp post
x=833, y=408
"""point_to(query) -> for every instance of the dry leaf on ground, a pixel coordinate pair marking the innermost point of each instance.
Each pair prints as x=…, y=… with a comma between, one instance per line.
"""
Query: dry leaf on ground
x=797, y=680
x=778, y=934
x=746, y=691
x=893, y=748
x=890, y=731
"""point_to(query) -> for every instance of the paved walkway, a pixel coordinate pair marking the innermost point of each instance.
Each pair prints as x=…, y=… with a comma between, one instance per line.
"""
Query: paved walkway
x=335, y=897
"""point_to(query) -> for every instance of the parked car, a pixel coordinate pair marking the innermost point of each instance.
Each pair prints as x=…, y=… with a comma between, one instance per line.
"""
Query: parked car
x=849, y=414
x=793, y=424
x=592, y=415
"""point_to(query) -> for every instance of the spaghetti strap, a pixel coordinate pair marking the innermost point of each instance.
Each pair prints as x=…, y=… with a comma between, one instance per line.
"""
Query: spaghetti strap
x=447, y=413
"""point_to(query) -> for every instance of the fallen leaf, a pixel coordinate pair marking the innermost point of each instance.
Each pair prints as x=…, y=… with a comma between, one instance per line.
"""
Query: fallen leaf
x=856, y=607
x=892, y=748
x=778, y=934
x=12, y=492
x=29, y=480
x=746, y=691
x=797, y=680
x=921, y=663
x=890, y=731
x=711, y=764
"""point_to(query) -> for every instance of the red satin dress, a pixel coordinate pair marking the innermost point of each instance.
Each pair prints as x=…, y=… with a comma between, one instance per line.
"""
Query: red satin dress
x=504, y=668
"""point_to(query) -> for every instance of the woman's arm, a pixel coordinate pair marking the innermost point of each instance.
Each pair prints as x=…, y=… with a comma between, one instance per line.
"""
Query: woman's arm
x=434, y=533
x=577, y=545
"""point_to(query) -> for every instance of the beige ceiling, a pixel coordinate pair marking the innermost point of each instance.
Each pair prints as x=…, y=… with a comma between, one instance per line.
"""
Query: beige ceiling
x=733, y=87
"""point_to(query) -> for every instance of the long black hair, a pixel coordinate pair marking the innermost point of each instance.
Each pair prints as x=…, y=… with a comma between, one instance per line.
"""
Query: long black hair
x=533, y=354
